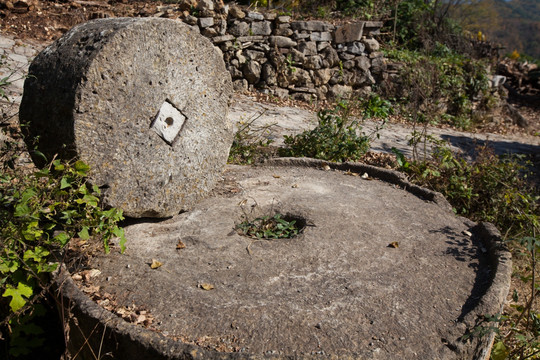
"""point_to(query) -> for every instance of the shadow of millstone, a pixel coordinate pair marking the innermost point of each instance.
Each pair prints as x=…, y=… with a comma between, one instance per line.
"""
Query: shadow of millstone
x=337, y=291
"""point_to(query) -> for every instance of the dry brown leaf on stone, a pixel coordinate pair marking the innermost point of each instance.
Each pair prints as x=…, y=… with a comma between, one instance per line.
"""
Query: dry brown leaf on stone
x=180, y=245
x=350, y=173
x=155, y=264
x=394, y=244
x=276, y=176
x=206, y=286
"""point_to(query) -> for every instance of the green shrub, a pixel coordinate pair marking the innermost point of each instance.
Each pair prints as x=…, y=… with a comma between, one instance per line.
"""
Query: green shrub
x=444, y=87
x=489, y=188
x=250, y=143
x=39, y=214
x=337, y=137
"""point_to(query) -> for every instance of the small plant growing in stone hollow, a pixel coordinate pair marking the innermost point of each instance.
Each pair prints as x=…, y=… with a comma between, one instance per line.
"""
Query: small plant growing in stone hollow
x=271, y=225
x=276, y=226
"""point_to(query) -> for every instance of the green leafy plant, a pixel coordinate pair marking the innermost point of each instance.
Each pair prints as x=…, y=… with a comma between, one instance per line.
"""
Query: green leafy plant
x=442, y=86
x=337, y=137
x=270, y=227
x=39, y=214
x=290, y=64
x=377, y=107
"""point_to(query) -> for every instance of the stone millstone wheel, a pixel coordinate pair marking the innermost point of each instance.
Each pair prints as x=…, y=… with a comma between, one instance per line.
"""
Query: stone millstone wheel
x=143, y=101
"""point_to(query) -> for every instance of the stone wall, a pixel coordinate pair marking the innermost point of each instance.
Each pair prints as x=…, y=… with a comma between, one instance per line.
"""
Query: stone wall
x=304, y=60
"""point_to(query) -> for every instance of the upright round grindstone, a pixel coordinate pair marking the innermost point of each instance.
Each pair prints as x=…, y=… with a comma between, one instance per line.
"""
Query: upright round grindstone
x=143, y=101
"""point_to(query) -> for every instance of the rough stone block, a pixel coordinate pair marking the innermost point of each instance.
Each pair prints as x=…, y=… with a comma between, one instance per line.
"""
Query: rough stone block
x=320, y=36
x=308, y=48
x=349, y=33
x=283, y=32
x=252, y=71
x=281, y=41
x=236, y=13
x=223, y=38
x=143, y=101
x=356, y=48
x=283, y=19
x=312, y=25
x=372, y=45
x=255, y=16
x=239, y=28
x=261, y=28
x=206, y=22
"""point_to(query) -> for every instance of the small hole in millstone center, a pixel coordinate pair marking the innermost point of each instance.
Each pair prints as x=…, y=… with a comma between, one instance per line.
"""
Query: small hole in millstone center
x=169, y=121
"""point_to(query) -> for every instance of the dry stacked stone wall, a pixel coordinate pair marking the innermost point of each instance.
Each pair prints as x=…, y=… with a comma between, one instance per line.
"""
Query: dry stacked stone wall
x=304, y=60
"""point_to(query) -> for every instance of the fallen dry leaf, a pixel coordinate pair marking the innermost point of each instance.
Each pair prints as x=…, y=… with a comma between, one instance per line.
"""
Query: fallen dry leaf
x=326, y=167
x=294, y=186
x=180, y=245
x=276, y=176
x=365, y=176
x=155, y=264
x=206, y=286
x=350, y=173
x=394, y=244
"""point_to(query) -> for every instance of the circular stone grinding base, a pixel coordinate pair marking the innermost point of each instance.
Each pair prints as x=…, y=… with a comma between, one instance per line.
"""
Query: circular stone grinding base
x=142, y=101
x=377, y=273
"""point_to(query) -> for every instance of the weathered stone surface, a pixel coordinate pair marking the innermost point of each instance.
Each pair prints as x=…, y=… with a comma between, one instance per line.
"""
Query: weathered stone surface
x=236, y=12
x=283, y=32
x=340, y=92
x=363, y=63
x=313, y=62
x=255, y=16
x=313, y=25
x=223, y=38
x=96, y=92
x=255, y=55
x=261, y=28
x=269, y=74
x=331, y=55
x=356, y=48
x=239, y=28
x=271, y=16
x=206, y=22
x=308, y=48
x=322, y=76
x=283, y=19
x=320, y=36
x=252, y=71
x=346, y=56
x=209, y=32
x=371, y=45
x=240, y=85
x=281, y=41
x=250, y=39
x=349, y=33
x=205, y=5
